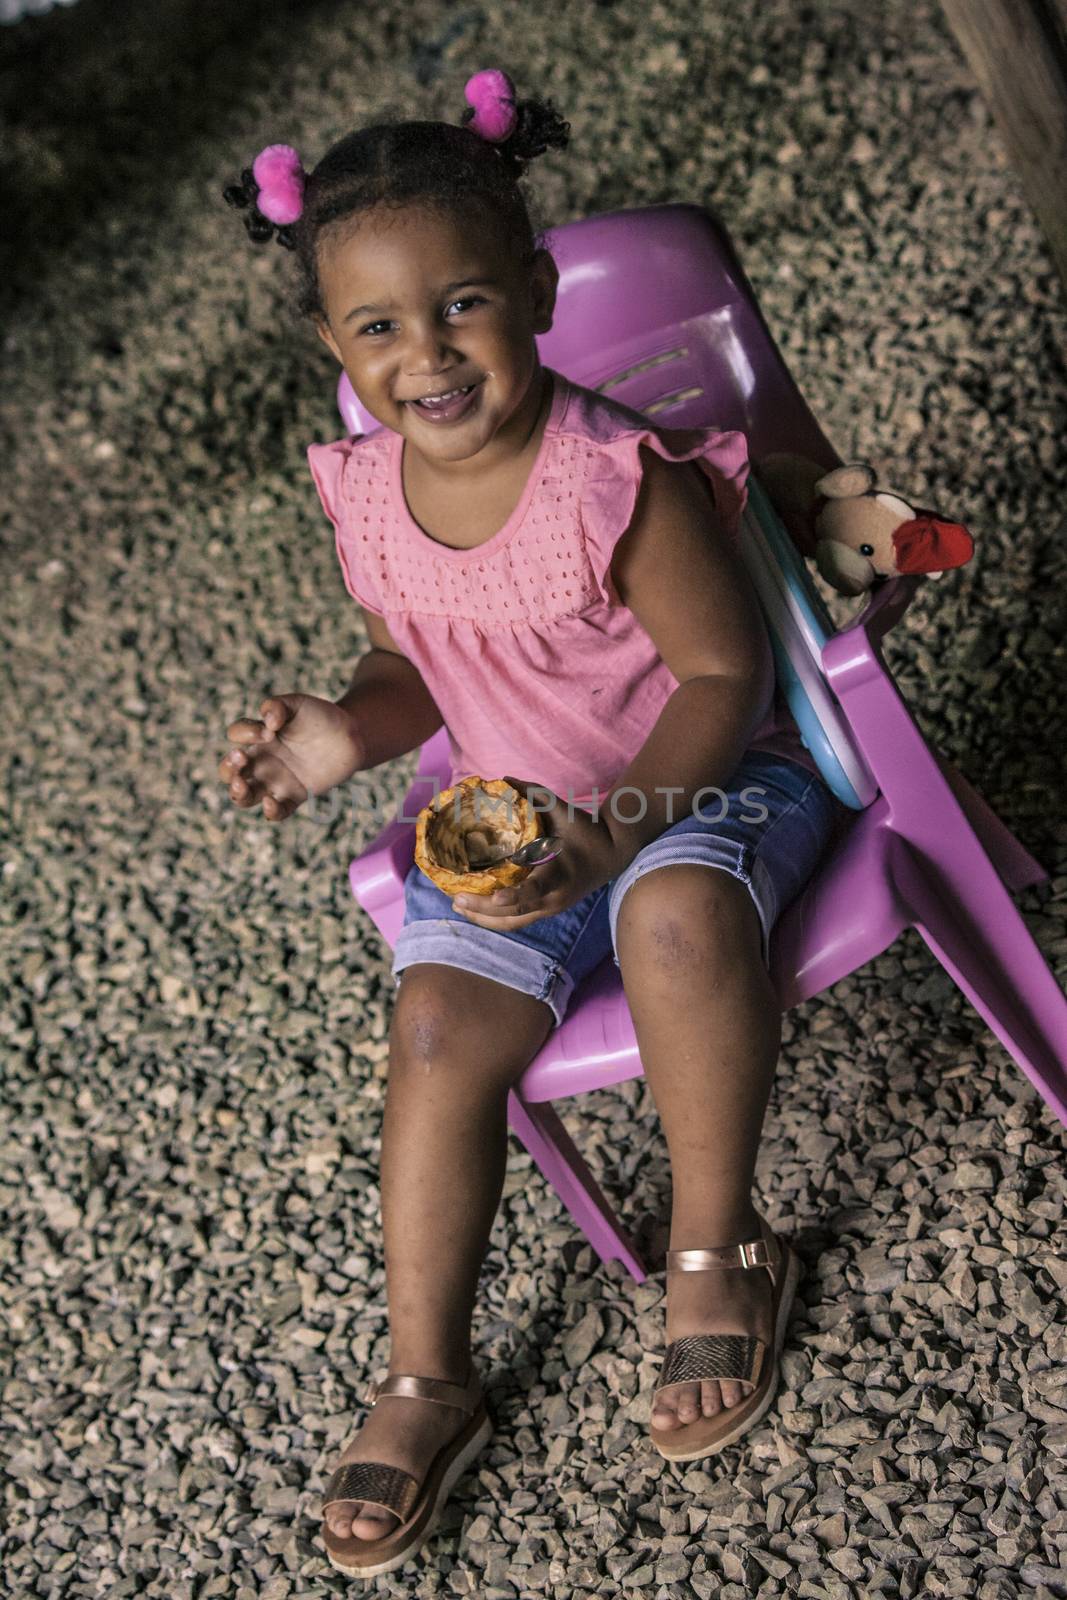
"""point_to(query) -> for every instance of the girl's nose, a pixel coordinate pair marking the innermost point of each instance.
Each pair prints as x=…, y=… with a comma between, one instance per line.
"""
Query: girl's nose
x=428, y=352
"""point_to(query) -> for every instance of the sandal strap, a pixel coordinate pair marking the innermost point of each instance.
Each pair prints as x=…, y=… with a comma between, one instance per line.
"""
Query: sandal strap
x=753, y=1253
x=376, y=1484
x=466, y=1397
x=737, y=1356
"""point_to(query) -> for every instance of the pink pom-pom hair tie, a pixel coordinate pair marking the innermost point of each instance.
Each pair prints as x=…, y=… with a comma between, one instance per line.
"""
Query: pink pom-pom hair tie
x=280, y=179
x=492, y=94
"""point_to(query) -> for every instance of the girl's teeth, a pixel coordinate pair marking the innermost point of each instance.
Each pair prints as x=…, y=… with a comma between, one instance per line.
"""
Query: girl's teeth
x=439, y=399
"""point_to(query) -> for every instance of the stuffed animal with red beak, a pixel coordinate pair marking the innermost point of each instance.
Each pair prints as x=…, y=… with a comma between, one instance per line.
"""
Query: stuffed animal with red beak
x=856, y=533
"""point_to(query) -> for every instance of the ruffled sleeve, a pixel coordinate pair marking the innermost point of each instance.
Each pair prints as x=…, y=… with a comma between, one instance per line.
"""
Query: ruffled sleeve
x=609, y=493
x=328, y=463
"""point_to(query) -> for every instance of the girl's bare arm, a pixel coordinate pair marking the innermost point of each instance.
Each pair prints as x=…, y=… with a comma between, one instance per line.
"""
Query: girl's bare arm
x=677, y=572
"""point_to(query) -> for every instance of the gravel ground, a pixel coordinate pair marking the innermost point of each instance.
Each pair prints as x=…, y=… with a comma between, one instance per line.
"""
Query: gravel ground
x=195, y=1029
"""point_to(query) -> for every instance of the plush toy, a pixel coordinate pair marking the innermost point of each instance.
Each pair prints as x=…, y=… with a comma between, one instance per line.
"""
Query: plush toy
x=857, y=534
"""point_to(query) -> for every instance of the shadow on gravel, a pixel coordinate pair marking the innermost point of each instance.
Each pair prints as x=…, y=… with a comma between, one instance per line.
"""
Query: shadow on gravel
x=100, y=103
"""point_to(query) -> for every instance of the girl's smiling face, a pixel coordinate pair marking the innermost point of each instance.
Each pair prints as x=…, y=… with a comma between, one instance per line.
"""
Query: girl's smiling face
x=421, y=302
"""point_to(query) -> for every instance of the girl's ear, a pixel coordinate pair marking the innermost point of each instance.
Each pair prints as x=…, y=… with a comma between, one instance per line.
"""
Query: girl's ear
x=322, y=328
x=545, y=279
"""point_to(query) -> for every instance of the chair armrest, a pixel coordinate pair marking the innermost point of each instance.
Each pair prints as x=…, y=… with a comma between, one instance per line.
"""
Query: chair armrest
x=882, y=727
x=376, y=876
x=853, y=656
x=887, y=605
x=435, y=761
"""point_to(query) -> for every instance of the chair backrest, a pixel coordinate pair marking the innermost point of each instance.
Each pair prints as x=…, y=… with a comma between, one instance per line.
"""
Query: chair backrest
x=654, y=310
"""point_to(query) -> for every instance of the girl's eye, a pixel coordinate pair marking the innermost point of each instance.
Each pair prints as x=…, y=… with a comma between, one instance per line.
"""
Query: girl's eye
x=468, y=300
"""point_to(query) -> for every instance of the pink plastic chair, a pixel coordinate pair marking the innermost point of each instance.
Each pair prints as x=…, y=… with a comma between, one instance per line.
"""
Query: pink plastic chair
x=655, y=310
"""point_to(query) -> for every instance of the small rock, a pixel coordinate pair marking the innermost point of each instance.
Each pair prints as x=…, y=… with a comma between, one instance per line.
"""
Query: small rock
x=580, y=1341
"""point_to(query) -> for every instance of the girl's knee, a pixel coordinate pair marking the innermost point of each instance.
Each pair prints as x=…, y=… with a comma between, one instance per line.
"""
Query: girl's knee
x=424, y=1018
x=446, y=1017
x=688, y=918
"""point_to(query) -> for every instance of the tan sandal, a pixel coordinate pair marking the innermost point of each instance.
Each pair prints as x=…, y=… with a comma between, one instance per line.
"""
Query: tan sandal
x=417, y=1505
x=737, y=1356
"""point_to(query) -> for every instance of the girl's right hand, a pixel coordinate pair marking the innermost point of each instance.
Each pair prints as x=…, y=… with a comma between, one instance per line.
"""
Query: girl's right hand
x=304, y=745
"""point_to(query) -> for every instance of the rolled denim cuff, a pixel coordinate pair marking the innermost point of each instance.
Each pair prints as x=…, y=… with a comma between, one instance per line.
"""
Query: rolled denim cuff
x=480, y=950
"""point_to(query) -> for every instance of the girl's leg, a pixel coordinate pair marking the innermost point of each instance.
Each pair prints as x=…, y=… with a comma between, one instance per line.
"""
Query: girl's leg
x=708, y=1026
x=457, y=1043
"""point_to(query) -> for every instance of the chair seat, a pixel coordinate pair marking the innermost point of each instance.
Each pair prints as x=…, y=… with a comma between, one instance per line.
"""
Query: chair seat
x=844, y=917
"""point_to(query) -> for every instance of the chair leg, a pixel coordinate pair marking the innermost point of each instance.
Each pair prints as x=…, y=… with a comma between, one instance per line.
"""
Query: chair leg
x=539, y=1128
x=974, y=929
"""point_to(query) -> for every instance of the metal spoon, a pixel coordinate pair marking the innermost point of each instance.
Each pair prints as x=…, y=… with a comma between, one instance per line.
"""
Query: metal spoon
x=527, y=855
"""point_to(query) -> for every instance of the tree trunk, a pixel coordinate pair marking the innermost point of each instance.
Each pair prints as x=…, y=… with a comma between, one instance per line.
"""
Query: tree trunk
x=1017, y=50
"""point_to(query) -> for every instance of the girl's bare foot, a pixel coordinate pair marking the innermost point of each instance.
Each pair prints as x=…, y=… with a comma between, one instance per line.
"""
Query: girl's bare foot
x=729, y=1301
x=401, y=1432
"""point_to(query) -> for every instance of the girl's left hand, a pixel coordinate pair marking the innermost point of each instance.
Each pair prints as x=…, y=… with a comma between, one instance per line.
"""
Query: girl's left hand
x=590, y=858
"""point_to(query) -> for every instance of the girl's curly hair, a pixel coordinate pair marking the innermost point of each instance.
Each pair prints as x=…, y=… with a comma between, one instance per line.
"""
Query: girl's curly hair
x=397, y=163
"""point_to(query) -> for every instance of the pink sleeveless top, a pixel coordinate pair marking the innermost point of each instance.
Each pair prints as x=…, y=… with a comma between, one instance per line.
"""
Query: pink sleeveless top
x=536, y=666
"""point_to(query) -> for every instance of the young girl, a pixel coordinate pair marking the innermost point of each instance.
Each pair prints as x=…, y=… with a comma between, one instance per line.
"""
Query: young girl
x=558, y=582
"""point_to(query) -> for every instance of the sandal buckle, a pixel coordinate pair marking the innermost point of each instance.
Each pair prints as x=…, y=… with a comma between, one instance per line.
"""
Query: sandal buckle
x=371, y=1394
x=754, y=1253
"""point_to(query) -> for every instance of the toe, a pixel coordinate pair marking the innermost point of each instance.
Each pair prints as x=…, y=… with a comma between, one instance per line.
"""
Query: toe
x=373, y=1523
x=710, y=1401
x=731, y=1392
x=688, y=1402
x=663, y=1413
x=338, y=1517
x=349, y=1519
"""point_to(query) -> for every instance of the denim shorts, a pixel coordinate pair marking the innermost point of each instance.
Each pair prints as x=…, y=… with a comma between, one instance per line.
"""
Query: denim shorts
x=767, y=826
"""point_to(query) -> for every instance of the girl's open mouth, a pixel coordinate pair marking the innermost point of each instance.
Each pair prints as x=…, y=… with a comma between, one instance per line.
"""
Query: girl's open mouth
x=449, y=408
